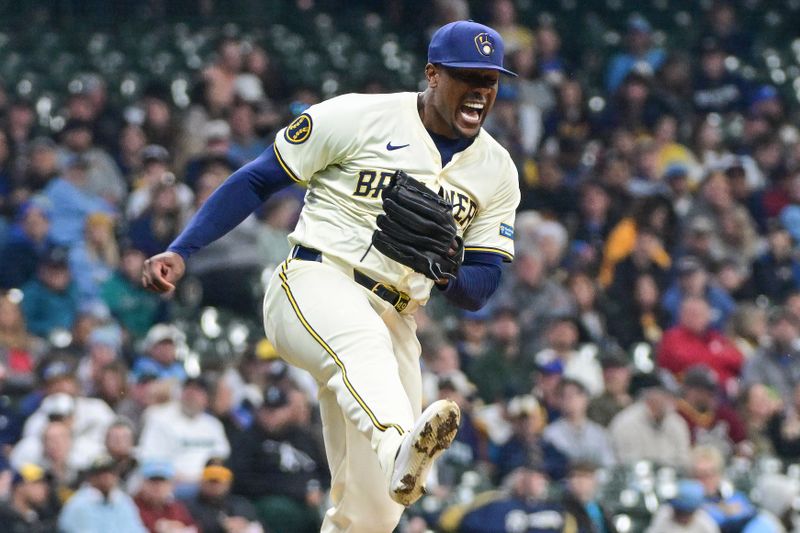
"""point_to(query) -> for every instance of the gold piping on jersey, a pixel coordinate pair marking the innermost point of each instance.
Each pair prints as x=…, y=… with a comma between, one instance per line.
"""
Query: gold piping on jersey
x=498, y=251
x=284, y=166
x=339, y=363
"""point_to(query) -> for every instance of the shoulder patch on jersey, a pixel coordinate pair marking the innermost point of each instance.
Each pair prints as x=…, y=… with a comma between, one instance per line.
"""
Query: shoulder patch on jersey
x=299, y=130
x=506, y=231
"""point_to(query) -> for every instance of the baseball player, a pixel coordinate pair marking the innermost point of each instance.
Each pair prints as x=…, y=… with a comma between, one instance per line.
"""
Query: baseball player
x=405, y=192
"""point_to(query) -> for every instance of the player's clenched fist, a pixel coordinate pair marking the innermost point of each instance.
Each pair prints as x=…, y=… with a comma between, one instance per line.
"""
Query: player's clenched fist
x=161, y=272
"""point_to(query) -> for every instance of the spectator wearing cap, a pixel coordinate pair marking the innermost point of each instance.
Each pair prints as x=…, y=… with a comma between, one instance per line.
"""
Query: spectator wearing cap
x=716, y=89
x=574, y=434
x=694, y=341
x=693, y=281
x=469, y=446
x=161, y=346
x=88, y=417
x=26, y=511
x=561, y=340
x=103, y=177
x=100, y=505
x=215, y=509
x=527, y=419
x=683, y=513
x=155, y=170
x=776, y=273
x=51, y=299
x=94, y=259
x=582, y=499
x=184, y=435
x=27, y=243
x=278, y=464
x=474, y=336
x=523, y=499
x=160, y=223
x=616, y=382
x=649, y=429
x=217, y=135
x=640, y=53
x=75, y=202
x=777, y=364
x=710, y=420
x=135, y=308
x=159, y=510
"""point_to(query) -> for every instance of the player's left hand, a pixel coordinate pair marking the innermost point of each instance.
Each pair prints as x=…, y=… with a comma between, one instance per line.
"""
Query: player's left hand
x=161, y=272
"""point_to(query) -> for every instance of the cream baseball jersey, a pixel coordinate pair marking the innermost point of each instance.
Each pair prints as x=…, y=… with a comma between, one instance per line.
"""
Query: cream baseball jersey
x=345, y=150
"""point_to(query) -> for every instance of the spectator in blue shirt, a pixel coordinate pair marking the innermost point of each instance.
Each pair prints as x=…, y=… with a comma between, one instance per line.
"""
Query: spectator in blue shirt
x=100, y=505
x=74, y=203
x=27, y=243
x=51, y=299
x=641, y=53
x=161, y=347
x=693, y=280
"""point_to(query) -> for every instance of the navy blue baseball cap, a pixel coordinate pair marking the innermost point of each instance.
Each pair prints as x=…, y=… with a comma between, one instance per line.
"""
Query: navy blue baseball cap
x=467, y=44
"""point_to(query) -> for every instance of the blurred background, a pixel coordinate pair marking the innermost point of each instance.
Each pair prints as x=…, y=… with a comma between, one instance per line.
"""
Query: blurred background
x=637, y=371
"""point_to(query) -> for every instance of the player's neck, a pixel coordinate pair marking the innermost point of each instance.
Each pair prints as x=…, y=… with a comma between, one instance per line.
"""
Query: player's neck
x=431, y=119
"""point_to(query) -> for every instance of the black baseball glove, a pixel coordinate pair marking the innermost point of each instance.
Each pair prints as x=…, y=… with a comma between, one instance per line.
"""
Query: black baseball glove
x=418, y=229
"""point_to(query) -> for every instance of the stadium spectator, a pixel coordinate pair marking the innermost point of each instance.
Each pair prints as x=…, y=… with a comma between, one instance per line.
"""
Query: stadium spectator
x=26, y=509
x=155, y=171
x=160, y=512
x=160, y=223
x=711, y=422
x=590, y=310
x=216, y=510
x=684, y=512
x=245, y=144
x=279, y=464
x=776, y=365
x=504, y=19
x=161, y=347
x=643, y=320
x=640, y=51
x=561, y=347
x=731, y=510
x=581, y=499
x=524, y=499
x=574, y=434
x=51, y=299
x=75, y=202
x=650, y=429
x=527, y=420
x=132, y=306
x=694, y=281
x=757, y=406
x=693, y=341
x=120, y=443
x=183, y=435
x=776, y=272
x=27, y=243
x=100, y=505
x=19, y=350
x=616, y=382
x=784, y=427
x=716, y=90
x=104, y=347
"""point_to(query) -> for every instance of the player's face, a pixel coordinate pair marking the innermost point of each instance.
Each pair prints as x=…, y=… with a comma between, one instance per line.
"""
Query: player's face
x=464, y=97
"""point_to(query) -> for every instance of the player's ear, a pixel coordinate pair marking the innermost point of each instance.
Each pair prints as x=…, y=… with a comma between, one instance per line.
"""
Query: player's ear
x=432, y=74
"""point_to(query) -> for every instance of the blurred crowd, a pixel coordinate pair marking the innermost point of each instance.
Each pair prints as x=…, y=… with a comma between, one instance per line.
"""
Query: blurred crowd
x=639, y=367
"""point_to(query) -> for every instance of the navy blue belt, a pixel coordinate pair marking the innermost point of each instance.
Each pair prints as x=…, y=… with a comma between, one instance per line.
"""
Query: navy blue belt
x=396, y=299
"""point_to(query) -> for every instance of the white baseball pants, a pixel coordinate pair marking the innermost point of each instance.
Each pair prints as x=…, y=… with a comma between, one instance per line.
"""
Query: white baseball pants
x=365, y=357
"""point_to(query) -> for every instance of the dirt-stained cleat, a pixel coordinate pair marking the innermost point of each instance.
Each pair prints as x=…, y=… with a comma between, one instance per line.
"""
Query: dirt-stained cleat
x=432, y=434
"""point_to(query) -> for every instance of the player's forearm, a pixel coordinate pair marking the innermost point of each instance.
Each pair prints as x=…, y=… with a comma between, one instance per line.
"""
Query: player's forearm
x=231, y=203
x=478, y=278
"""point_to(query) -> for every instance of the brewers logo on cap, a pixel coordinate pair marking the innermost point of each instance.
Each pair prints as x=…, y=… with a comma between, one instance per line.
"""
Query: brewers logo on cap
x=484, y=44
x=299, y=130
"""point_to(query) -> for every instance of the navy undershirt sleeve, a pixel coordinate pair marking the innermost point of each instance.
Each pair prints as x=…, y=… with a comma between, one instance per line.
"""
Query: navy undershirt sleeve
x=478, y=278
x=241, y=194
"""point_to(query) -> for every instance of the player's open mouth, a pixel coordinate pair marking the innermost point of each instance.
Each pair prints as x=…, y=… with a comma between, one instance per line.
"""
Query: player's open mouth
x=471, y=112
